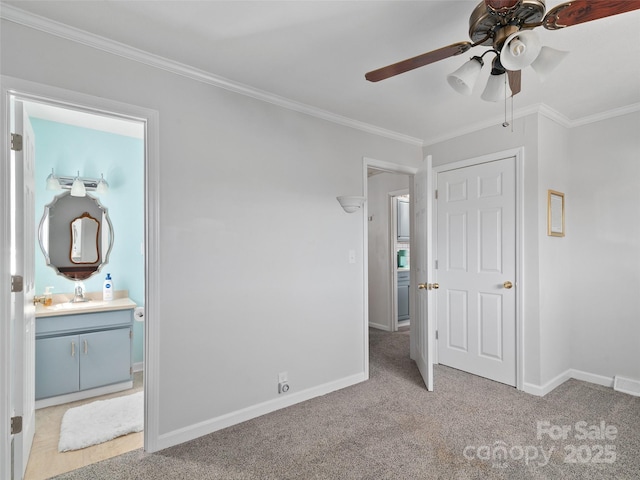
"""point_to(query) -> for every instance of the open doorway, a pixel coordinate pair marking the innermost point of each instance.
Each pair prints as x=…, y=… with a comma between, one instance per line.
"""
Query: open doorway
x=389, y=249
x=420, y=207
x=113, y=149
x=81, y=135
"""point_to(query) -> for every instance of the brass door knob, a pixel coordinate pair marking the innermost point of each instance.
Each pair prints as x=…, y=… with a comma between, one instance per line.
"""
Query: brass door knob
x=422, y=286
x=435, y=286
x=507, y=285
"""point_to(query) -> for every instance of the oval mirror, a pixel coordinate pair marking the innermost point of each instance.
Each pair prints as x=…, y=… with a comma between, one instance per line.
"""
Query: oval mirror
x=76, y=236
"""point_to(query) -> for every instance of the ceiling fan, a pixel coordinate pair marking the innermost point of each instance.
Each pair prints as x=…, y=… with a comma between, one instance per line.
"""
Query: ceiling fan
x=507, y=27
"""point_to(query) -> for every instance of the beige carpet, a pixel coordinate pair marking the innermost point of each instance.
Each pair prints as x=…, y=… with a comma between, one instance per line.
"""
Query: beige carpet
x=391, y=428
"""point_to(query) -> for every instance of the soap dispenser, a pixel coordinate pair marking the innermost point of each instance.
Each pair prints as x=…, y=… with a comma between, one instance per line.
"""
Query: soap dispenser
x=107, y=289
x=48, y=296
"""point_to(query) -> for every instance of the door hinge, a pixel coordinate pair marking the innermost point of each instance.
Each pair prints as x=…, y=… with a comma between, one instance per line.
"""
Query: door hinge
x=17, y=283
x=436, y=194
x=130, y=333
x=435, y=264
x=130, y=370
x=16, y=425
x=436, y=334
x=16, y=142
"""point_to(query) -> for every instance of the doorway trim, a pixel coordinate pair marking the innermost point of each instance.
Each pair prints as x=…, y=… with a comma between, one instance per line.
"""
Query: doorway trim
x=388, y=167
x=519, y=157
x=36, y=92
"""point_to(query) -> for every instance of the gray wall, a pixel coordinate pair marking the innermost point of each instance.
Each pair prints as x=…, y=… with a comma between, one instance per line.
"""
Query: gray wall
x=255, y=278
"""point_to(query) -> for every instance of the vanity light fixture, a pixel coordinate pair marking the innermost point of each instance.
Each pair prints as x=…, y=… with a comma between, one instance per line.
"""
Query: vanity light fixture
x=52, y=182
x=103, y=186
x=351, y=203
x=78, y=185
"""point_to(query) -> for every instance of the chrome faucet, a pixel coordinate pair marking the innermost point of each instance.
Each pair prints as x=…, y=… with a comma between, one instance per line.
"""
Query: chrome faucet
x=78, y=295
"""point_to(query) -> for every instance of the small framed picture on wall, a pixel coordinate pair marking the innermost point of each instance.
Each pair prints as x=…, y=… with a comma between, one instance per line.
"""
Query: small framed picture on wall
x=555, y=214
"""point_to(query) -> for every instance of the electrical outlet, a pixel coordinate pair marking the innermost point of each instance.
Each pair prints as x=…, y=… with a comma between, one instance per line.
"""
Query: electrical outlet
x=283, y=382
x=283, y=387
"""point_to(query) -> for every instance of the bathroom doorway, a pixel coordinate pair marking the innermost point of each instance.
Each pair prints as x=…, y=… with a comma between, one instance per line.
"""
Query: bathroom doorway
x=56, y=117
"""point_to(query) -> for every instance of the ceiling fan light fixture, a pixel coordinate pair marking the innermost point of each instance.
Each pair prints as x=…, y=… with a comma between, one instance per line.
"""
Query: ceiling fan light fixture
x=497, y=88
x=520, y=50
x=547, y=61
x=465, y=77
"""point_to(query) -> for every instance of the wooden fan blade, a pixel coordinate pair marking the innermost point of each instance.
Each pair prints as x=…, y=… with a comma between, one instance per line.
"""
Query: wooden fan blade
x=501, y=5
x=581, y=11
x=419, y=61
x=515, y=80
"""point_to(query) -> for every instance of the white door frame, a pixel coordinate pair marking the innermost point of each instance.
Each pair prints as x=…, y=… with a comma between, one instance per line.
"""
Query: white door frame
x=36, y=92
x=390, y=168
x=518, y=154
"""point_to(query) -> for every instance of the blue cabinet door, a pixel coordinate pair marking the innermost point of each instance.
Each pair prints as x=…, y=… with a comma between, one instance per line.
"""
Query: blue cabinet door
x=57, y=366
x=403, y=295
x=105, y=358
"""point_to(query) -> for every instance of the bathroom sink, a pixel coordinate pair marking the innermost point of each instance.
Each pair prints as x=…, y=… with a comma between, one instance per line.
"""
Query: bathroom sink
x=76, y=305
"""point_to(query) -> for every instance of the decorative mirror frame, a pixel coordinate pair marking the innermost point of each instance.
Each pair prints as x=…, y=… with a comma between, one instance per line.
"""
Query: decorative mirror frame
x=84, y=216
x=555, y=213
x=103, y=256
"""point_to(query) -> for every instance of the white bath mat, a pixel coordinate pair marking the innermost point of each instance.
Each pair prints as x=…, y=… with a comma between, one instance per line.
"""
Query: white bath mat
x=101, y=421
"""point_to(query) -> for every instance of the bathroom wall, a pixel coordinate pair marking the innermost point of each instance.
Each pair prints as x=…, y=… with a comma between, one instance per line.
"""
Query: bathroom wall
x=67, y=149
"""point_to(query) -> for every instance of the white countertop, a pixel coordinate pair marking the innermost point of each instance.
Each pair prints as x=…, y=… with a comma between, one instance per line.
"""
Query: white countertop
x=62, y=304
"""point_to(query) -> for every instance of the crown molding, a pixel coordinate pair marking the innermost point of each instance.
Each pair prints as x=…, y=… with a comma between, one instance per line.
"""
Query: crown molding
x=616, y=112
x=53, y=27
x=539, y=109
x=16, y=15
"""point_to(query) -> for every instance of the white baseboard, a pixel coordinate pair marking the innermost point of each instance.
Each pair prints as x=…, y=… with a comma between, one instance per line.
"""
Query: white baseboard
x=138, y=367
x=379, y=326
x=592, y=378
x=209, y=426
x=542, y=390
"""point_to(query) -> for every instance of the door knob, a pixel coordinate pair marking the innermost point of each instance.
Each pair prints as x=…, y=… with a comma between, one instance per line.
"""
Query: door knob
x=507, y=284
x=435, y=286
x=422, y=286
x=428, y=286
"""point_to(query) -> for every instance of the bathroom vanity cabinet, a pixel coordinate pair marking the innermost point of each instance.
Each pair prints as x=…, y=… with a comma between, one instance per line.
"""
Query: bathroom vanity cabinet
x=79, y=352
x=403, y=295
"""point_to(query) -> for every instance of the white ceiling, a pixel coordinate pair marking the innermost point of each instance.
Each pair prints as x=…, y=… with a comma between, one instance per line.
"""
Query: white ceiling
x=317, y=52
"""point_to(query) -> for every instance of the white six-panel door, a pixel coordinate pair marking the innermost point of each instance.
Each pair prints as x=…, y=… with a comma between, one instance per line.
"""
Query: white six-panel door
x=476, y=258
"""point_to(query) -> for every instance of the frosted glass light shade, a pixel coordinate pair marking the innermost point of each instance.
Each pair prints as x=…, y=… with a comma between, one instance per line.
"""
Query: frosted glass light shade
x=77, y=188
x=520, y=50
x=103, y=186
x=52, y=182
x=497, y=88
x=351, y=203
x=464, y=78
x=547, y=61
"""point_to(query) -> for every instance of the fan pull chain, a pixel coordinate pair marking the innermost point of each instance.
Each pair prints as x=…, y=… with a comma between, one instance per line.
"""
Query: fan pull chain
x=505, y=124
